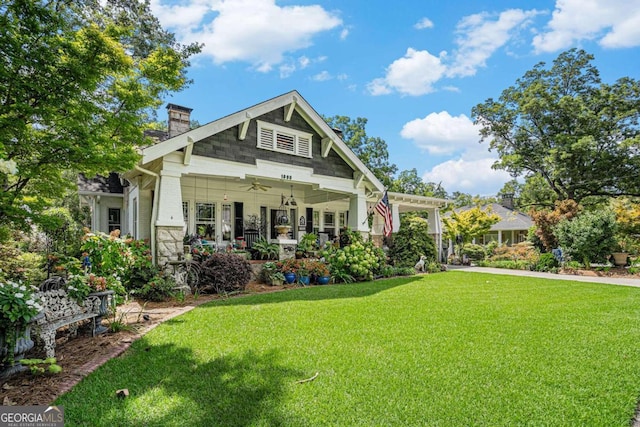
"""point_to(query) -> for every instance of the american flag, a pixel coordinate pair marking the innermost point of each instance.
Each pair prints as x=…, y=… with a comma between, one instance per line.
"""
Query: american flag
x=383, y=208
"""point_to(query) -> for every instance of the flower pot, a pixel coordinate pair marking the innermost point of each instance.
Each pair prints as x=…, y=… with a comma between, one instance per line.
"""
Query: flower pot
x=290, y=277
x=24, y=343
x=620, y=258
x=103, y=296
x=304, y=280
x=323, y=280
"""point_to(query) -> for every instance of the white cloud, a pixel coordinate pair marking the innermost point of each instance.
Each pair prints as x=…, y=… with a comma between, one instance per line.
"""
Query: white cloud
x=479, y=37
x=423, y=24
x=256, y=31
x=323, y=76
x=344, y=33
x=414, y=74
x=441, y=133
x=473, y=176
x=304, y=62
x=613, y=23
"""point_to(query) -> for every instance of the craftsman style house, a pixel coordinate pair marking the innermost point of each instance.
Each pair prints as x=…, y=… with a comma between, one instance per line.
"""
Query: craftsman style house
x=238, y=177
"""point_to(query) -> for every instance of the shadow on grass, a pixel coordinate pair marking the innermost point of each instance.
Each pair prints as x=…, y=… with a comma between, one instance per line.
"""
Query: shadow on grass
x=317, y=293
x=169, y=386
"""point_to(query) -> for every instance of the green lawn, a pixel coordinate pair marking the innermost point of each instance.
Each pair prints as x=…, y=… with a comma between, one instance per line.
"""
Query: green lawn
x=447, y=349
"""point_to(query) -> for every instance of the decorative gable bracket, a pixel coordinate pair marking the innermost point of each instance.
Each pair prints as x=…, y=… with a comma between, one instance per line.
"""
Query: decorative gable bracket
x=327, y=143
x=288, y=111
x=358, y=177
x=244, y=127
x=187, y=151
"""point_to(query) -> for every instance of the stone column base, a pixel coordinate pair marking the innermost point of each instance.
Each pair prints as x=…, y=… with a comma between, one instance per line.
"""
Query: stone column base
x=169, y=242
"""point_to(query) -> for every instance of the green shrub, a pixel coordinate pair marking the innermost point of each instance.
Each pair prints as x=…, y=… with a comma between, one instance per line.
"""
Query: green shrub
x=473, y=251
x=412, y=241
x=547, y=262
x=359, y=260
x=588, y=237
x=224, y=273
x=159, y=288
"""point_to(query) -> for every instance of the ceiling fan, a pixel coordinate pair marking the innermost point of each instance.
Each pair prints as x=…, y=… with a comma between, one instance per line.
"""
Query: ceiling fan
x=255, y=186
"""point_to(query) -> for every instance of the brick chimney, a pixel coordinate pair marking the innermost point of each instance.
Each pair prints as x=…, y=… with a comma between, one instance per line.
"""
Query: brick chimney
x=179, y=119
x=507, y=200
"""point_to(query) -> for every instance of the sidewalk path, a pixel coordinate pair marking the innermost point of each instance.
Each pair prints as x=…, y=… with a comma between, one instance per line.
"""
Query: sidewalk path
x=608, y=280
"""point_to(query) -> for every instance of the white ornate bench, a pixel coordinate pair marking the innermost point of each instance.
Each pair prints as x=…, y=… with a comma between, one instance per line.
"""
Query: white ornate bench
x=62, y=310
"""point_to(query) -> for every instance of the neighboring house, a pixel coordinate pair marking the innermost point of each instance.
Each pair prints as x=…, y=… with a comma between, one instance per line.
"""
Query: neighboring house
x=513, y=226
x=239, y=176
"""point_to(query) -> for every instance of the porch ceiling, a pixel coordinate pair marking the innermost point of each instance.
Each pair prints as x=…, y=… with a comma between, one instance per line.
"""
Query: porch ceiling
x=306, y=193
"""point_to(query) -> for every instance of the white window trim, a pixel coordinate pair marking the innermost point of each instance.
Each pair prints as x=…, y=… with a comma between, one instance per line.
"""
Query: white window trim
x=281, y=129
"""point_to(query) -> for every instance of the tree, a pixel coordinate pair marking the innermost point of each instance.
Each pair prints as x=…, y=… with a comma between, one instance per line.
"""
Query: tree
x=463, y=226
x=77, y=82
x=372, y=151
x=546, y=221
x=409, y=182
x=563, y=124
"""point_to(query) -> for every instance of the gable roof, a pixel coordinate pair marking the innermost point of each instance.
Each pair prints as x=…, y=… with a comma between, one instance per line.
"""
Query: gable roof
x=100, y=184
x=292, y=99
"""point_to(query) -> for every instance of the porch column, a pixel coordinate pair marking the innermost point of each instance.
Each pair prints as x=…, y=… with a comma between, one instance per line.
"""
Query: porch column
x=170, y=221
x=358, y=220
x=395, y=217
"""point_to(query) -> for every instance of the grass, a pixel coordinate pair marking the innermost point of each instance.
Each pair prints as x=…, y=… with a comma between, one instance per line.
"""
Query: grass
x=440, y=350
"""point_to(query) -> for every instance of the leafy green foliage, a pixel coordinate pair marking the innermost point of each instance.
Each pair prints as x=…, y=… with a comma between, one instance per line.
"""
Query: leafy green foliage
x=567, y=127
x=547, y=262
x=589, y=237
x=40, y=366
x=468, y=224
x=159, y=288
x=546, y=221
x=474, y=252
x=266, y=249
x=81, y=80
x=411, y=242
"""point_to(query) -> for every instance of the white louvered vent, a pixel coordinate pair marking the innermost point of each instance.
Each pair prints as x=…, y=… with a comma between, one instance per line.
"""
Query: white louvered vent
x=283, y=139
x=266, y=139
x=304, y=146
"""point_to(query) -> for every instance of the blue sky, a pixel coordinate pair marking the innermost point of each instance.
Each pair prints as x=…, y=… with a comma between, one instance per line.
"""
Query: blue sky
x=414, y=69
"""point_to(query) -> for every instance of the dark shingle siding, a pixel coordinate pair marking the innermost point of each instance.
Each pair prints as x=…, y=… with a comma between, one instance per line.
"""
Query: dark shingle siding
x=225, y=145
x=101, y=184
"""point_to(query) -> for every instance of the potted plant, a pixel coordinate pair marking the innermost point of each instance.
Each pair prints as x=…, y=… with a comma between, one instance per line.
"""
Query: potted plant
x=289, y=269
x=320, y=271
x=304, y=274
x=271, y=275
x=20, y=307
x=621, y=251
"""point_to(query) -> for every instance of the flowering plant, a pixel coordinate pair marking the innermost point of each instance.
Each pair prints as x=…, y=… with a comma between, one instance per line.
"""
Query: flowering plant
x=18, y=303
x=81, y=285
x=290, y=265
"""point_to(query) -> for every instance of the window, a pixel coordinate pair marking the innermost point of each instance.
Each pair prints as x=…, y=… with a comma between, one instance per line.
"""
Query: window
x=206, y=220
x=185, y=212
x=344, y=219
x=282, y=139
x=114, y=219
x=330, y=224
x=226, y=222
